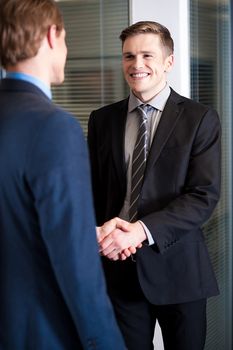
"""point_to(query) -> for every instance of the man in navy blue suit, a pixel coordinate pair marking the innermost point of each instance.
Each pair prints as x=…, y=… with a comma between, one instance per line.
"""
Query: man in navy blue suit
x=52, y=288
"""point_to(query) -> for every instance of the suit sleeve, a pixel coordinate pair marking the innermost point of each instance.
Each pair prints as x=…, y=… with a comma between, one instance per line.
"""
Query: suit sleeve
x=58, y=175
x=192, y=207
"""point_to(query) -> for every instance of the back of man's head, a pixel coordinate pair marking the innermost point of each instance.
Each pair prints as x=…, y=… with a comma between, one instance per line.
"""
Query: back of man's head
x=23, y=25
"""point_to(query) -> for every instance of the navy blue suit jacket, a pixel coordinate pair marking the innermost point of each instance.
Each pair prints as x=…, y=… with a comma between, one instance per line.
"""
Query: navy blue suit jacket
x=180, y=190
x=52, y=289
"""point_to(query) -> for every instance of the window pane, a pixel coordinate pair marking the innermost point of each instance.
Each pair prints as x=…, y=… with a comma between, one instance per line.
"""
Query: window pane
x=211, y=84
x=93, y=70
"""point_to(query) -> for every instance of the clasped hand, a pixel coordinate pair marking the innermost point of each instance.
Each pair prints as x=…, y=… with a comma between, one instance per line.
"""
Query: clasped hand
x=118, y=239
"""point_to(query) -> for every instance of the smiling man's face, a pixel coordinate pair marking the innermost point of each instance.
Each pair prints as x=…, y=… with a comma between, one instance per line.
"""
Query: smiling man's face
x=145, y=65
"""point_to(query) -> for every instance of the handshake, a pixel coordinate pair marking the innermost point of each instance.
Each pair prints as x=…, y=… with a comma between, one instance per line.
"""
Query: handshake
x=118, y=239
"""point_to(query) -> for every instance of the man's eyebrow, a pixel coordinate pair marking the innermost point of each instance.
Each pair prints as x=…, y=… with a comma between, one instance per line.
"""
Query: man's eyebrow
x=144, y=52
x=127, y=53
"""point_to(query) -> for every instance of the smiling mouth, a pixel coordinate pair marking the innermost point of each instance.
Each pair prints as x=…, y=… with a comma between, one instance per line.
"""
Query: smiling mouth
x=139, y=75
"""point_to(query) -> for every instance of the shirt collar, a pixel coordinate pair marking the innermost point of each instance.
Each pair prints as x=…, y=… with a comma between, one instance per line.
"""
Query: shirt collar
x=31, y=79
x=157, y=102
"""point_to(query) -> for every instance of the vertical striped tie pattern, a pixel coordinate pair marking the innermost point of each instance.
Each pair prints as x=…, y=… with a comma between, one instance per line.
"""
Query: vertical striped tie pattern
x=138, y=162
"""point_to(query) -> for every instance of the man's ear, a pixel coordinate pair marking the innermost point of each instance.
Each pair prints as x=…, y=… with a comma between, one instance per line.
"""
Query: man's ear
x=51, y=35
x=169, y=61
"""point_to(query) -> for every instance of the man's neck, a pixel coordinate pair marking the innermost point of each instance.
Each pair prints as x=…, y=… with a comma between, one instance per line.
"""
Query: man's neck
x=147, y=97
x=32, y=68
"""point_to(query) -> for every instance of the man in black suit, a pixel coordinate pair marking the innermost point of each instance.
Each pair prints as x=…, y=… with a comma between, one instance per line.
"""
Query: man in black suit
x=169, y=277
x=52, y=288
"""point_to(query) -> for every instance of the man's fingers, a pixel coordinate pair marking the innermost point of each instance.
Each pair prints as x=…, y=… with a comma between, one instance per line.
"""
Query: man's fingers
x=112, y=254
x=122, y=224
x=109, y=226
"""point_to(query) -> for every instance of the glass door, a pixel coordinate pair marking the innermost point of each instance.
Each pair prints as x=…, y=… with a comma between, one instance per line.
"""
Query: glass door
x=211, y=84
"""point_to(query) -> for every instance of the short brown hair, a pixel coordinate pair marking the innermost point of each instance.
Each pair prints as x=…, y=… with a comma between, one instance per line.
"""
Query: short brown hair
x=23, y=25
x=145, y=27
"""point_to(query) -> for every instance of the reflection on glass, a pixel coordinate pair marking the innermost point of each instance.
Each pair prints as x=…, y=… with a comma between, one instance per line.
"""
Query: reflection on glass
x=93, y=71
x=211, y=84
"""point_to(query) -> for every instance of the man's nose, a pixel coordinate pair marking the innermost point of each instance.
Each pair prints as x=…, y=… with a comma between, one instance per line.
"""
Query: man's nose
x=138, y=62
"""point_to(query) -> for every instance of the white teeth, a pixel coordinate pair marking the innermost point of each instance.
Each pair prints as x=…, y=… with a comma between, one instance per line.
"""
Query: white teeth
x=139, y=75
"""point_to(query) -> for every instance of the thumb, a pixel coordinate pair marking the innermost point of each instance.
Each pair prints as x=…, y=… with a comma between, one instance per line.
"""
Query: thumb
x=122, y=224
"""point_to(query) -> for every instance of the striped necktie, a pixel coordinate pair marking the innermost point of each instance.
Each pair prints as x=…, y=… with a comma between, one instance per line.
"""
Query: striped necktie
x=138, y=161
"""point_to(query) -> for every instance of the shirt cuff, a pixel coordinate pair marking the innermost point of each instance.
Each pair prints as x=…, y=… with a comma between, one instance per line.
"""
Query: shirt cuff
x=148, y=234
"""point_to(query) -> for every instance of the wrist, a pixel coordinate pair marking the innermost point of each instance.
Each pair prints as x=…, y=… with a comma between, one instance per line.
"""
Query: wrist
x=141, y=231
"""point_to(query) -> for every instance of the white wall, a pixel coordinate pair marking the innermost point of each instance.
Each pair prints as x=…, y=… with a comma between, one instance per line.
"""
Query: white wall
x=174, y=14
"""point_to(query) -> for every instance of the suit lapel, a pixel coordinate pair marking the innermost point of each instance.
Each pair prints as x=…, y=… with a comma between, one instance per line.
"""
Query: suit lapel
x=171, y=114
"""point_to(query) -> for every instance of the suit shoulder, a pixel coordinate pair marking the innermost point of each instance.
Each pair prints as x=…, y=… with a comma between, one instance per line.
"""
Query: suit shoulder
x=111, y=107
x=51, y=115
x=47, y=123
x=57, y=139
x=191, y=104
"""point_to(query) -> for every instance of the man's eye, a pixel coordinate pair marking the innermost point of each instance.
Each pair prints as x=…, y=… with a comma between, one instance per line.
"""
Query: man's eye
x=128, y=57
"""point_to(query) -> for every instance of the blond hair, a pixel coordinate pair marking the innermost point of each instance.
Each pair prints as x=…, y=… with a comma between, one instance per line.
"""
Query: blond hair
x=23, y=25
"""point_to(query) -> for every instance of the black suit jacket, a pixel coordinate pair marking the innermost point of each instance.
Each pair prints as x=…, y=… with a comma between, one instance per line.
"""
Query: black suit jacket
x=180, y=190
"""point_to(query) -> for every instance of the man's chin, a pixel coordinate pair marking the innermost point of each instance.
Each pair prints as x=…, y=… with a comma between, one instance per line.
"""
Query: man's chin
x=137, y=93
x=58, y=81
